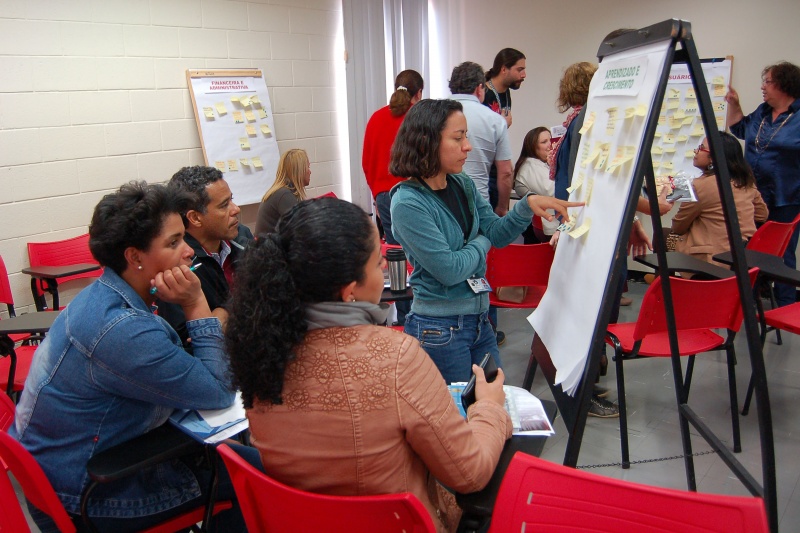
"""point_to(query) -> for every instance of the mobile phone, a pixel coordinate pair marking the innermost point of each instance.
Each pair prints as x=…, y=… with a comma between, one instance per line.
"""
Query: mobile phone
x=490, y=371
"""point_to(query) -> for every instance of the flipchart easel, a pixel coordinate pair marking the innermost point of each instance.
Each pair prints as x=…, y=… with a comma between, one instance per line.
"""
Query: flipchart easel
x=574, y=407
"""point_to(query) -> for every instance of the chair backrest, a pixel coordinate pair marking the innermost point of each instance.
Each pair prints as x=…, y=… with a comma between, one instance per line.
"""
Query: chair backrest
x=537, y=495
x=34, y=484
x=519, y=265
x=67, y=252
x=772, y=237
x=697, y=305
x=5, y=288
x=7, y=409
x=270, y=506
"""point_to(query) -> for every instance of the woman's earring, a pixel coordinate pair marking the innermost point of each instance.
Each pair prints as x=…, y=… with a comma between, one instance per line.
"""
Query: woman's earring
x=141, y=267
x=710, y=166
x=352, y=299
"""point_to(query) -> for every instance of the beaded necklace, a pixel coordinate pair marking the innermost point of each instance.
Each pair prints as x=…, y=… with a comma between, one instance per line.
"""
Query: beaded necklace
x=761, y=150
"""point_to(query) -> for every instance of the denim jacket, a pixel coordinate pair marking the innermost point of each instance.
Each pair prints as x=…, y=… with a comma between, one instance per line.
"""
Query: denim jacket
x=108, y=371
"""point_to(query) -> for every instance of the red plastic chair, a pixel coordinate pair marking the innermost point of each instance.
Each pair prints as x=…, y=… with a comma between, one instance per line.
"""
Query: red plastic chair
x=7, y=409
x=520, y=265
x=59, y=253
x=7, y=298
x=700, y=307
x=38, y=491
x=269, y=506
x=537, y=495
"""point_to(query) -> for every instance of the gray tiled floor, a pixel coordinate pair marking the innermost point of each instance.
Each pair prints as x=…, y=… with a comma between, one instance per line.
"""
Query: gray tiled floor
x=653, y=419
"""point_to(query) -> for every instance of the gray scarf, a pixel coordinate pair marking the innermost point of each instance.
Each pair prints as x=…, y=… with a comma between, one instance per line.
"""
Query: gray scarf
x=345, y=314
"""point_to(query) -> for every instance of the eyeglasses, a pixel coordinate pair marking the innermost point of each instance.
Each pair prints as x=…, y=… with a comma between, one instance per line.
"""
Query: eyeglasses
x=765, y=81
x=702, y=148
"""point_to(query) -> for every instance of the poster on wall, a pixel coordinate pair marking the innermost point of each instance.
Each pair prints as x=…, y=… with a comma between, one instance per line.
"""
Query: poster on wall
x=621, y=95
x=680, y=126
x=237, y=131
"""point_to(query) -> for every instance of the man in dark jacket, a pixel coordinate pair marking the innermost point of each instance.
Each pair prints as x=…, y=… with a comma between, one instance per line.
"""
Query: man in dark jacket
x=213, y=231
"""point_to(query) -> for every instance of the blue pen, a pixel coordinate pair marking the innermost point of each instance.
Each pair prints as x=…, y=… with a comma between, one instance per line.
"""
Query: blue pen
x=154, y=290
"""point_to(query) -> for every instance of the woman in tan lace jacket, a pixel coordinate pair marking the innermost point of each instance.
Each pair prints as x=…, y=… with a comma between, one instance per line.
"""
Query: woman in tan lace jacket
x=337, y=403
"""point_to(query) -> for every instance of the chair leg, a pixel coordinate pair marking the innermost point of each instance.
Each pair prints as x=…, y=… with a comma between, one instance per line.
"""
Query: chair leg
x=623, y=413
x=687, y=380
x=737, y=440
x=749, y=396
x=530, y=372
x=774, y=303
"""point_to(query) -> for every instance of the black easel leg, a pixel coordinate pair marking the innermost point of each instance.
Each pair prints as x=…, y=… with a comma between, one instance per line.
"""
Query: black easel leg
x=737, y=439
x=623, y=412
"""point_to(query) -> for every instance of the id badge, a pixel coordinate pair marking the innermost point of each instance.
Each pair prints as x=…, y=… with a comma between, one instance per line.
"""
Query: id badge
x=479, y=285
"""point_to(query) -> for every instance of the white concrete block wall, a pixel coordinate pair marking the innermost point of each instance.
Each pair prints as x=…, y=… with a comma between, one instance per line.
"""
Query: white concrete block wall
x=93, y=94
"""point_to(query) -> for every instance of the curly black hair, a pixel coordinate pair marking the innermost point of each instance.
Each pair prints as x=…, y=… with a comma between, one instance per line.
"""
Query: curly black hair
x=785, y=76
x=465, y=78
x=741, y=174
x=132, y=216
x=415, y=152
x=320, y=246
x=194, y=180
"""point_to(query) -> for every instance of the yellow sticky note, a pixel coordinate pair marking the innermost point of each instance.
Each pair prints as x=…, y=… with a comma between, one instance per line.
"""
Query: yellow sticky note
x=220, y=165
x=245, y=162
x=689, y=154
x=576, y=183
x=687, y=121
x=656, y=164
x=668, y=139
x=262, y=113
x=593, y=155
x=691, y=107
x=719, y=107
x=601, y=159
x=234, y=99
x=232, y=166
x=675, y=123
x=690, y=93
x=658, y=135
x=254, y=100
x=656, y=150
x=720, y=122
x=719, y=90
x=662, y=119
x=641, y=110
x=673, y=93
x=629, y=112
x=718, y=80
x=208, y=112
x=669, y=150
x=679, y=113
x=587, y=123
x=697, y=131
x=257, y=162
x=682, y=138
x=668, y=166
x=265, y=129
x=612, y=113
x=588, y=189
x=610, y=127
x=673, y=104
x=245, y=101
x=251, y=130
x=582, y=229
x=237, y=117
x=251, y=117
x=221, y=108
x=244, y=143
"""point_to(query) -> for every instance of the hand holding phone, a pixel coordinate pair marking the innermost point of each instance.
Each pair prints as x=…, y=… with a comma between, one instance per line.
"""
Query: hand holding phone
x=490, y=371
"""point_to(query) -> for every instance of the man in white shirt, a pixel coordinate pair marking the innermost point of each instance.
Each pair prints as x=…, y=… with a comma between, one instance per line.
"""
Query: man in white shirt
x=487, y=132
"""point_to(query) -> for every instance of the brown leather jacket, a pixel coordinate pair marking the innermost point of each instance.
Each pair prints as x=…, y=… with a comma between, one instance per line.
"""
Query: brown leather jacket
x=365, y=411
x=701, y=224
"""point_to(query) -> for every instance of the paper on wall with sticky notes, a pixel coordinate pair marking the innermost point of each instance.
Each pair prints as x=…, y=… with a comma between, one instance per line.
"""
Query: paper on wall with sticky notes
x=587, y=123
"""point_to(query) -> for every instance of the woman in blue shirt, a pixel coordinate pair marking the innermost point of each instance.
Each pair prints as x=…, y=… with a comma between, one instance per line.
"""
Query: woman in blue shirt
x=111, y=370
x=446, y=229
x=772, y=148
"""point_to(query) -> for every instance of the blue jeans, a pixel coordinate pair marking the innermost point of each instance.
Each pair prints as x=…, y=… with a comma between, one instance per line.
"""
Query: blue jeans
x=226, y=521
x=786, y=294
x=383, y=202
x=454, y=343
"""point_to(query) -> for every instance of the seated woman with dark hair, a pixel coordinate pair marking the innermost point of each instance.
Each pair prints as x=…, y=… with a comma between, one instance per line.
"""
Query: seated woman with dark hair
x=111, y=370
x=337, y=403
x=701, y=224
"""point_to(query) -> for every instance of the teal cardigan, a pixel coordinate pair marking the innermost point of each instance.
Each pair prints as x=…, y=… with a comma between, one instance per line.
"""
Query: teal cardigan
x=434, y=244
